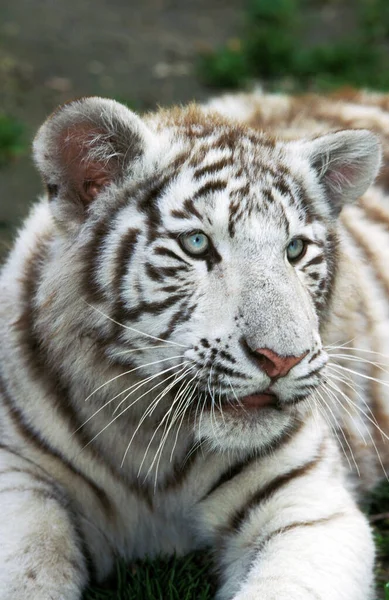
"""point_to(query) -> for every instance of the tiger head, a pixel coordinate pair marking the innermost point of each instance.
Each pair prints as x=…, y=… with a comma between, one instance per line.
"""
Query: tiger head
x=211, y=248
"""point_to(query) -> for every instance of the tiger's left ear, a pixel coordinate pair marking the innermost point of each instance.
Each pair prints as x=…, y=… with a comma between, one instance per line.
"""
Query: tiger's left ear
x=346, y=163
x=83, y=148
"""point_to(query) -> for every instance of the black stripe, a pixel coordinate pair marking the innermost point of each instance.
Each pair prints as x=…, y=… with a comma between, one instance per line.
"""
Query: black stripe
x=231, y=472
x=162, y=251
x=272, y=488
x=210, y=187
x=183, y=314
x=212, y=168
x=298, y=525
x=317, y=260
x=28, y=432
x=91, y=288
x=124, y=313
x=124, y=254
x=239, y=467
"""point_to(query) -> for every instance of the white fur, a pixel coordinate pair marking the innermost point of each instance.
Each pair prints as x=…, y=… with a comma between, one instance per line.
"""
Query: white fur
x=307, y=539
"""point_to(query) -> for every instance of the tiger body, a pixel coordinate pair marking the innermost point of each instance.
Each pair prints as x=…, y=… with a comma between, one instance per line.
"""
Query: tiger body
x=147, y=402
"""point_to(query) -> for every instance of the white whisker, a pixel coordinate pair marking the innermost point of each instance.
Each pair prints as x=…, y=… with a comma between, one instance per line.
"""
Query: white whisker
x=153, y=337
x=152, y=407
x=156, y=362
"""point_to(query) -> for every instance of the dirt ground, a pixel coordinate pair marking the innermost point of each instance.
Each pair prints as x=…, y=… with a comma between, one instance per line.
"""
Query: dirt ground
x=143, y=52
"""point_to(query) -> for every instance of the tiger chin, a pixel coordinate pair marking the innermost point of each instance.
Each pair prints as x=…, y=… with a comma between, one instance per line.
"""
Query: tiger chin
x=195, y=323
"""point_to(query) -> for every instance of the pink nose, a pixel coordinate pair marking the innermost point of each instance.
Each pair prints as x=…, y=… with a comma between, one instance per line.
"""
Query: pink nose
x=275, y=365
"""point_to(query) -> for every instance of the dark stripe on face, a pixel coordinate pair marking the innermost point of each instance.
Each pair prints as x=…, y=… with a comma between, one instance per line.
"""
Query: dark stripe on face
x=162, y=251
x=152, y=308
x=150, y=193
x=124, y=254
x=283, y=219
x=190, y=208
x=169, y=272
x=182, y=315
x=91, y=288
x=282, y=186
x=314, y=276
x=153, y=273
x=227, y=356
x=308, y=207
x=170, y=289
x=212, y=168
x=324, y=294
x=35, y=353
x=210, y=187
x=317, y=260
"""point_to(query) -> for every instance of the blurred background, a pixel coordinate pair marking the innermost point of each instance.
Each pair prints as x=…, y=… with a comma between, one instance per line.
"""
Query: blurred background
x=158, y=52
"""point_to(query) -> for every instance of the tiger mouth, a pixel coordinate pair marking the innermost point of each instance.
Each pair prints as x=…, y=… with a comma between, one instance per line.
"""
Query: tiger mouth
x=250, y=402
x=259, y=400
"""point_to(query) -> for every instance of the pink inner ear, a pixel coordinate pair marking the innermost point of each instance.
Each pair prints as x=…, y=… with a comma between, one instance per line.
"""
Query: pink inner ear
x=340, y=175
x=92, y=182
x=86, y=175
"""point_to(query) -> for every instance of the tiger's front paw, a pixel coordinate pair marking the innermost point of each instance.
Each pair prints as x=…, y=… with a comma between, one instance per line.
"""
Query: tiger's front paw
x=279, y=591
x=30, y=585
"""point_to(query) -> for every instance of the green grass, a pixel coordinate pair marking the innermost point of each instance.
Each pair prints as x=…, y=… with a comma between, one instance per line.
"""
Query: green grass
x=272, y=49
x=12, y=142
x=172, y=578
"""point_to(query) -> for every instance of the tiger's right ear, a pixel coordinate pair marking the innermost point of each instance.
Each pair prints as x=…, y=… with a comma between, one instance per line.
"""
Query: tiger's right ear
x=83, y=148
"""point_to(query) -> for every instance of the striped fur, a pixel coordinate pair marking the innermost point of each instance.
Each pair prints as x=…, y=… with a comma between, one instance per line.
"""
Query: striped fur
x=136, y=414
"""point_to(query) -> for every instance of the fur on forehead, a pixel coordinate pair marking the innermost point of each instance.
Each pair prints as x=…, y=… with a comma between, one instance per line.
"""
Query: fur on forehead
x=89, y=145
x=341, y=164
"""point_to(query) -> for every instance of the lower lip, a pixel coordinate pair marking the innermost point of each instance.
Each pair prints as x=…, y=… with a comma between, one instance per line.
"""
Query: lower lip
x=258, y=400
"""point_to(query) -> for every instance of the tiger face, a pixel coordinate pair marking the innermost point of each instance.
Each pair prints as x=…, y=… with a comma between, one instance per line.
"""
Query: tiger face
x=211, y=248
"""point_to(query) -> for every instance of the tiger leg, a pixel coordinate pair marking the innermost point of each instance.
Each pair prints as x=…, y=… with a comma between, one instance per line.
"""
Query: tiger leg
x=41, y=551
x=303, y=538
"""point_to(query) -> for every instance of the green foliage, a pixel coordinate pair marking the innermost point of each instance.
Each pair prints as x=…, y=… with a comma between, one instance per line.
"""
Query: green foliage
x=11, y=139
x=272, y=48
x=272, y=28
x=227, y=68
x=387, y=591
x=162, y=579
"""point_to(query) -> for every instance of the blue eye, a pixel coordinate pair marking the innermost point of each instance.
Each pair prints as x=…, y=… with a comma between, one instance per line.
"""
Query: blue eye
x=195, y=243
x=296, y=249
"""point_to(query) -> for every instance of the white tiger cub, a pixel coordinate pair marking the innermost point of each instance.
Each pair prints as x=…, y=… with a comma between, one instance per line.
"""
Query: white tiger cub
x=164, y=380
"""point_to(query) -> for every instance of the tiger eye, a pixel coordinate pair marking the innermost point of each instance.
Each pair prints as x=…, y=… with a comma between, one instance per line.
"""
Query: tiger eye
x=296, y=249
x=195, y=243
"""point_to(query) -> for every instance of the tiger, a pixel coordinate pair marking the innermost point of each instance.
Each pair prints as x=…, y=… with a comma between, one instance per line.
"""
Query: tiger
x=194, y=327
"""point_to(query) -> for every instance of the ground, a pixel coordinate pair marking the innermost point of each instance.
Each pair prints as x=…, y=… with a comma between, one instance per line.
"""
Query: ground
x=141, y=52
